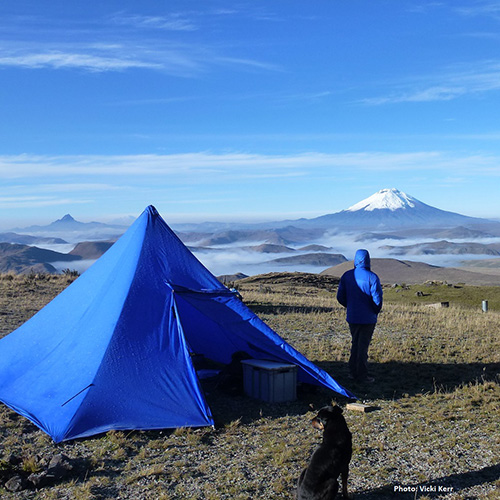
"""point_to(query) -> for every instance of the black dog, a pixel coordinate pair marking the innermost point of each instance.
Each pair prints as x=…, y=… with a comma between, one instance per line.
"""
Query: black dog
x=319, y=481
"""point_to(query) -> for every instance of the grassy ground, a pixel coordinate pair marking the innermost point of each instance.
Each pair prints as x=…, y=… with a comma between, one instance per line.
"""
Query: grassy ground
x=435, y=292
x=437, y=387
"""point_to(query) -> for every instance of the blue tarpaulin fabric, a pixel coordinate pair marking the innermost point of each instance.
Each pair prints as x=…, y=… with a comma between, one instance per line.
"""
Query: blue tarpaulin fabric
x=112, y=351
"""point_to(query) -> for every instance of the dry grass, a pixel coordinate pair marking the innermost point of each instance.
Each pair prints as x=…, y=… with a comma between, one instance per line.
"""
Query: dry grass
x=21, y=296
x=438, y=390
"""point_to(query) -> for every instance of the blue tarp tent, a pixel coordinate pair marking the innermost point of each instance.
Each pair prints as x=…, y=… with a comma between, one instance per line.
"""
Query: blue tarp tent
x=113, y=350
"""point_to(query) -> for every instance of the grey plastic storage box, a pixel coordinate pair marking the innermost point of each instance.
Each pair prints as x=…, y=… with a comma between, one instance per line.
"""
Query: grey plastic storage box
x=269, y=381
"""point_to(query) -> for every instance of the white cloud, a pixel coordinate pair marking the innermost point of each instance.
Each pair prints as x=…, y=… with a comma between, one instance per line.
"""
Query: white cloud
x=172, y=22
x=58, y=60
x=461, y=80
x=122, y=42
x=10, y=202
x=184, y=60
x=195, y=168
x=487, y=8
x=100, y=57
x=247, y=63
x=41, y=194
x=66, y=188
x=36, y=189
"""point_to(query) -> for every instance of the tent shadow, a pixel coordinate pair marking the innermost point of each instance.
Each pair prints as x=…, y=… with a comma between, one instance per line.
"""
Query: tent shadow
x=260, y=308
x=231, y=408
x=396, y=379
x=454, y=483
x=393, y=380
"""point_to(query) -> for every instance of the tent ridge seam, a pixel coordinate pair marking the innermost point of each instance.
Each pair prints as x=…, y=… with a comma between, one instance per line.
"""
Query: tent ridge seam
x=77, y=394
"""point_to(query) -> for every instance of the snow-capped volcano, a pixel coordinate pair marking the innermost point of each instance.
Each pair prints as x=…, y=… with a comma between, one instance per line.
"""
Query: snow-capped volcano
x=390, y=199
x=391, y=208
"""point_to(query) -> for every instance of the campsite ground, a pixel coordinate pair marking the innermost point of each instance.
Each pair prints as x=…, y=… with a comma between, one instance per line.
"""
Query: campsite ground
x=435, y=433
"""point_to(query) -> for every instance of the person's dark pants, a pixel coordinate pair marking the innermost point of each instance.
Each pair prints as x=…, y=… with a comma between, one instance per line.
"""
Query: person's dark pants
x=361, y=338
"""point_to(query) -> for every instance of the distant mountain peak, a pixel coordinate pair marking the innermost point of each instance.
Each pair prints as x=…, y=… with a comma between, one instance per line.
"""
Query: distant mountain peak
x=66, y=222
x=385, y=199
x=391, y=208
x=67, y=218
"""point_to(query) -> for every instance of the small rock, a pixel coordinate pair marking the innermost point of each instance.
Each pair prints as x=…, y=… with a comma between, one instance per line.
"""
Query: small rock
x=59, y=467
x=38, y=479
x=15, y=483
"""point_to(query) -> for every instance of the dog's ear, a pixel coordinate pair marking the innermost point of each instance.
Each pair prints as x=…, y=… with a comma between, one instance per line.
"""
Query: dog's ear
x=332, y=410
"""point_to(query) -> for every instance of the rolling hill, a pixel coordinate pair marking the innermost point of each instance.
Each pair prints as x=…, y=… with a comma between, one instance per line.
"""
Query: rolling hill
x=26, y=239
x=311, y=259
x=391, y=271
x=89, y=250
x=22, y=258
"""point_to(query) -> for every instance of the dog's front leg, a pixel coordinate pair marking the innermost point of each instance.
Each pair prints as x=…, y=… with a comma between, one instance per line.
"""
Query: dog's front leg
x=345, y=493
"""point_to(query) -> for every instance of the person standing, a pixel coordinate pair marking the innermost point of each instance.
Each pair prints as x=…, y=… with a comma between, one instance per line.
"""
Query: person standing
x=361, y=293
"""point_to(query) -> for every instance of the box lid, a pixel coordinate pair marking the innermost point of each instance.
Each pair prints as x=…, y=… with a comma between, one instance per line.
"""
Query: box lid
x=268, y=365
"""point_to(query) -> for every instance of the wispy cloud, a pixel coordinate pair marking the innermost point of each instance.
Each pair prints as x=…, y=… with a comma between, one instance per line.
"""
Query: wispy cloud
x=192, y=183
x=176, y=59
x=247, y=63
x=455, y=83
x=58, y=60
x=482, y=8
x=120, y=43
x=203, y=167
x=11, y=202
x=28, y=195
x=172, y=22
x=66, y=187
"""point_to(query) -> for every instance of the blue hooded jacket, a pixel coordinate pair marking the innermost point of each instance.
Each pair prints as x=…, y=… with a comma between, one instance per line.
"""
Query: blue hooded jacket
x=360, y=291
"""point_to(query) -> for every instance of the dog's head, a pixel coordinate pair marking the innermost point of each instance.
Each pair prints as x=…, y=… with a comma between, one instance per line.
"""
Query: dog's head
x=325, y=415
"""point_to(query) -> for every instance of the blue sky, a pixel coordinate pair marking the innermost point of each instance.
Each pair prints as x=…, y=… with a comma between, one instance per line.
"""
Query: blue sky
x=246, y=110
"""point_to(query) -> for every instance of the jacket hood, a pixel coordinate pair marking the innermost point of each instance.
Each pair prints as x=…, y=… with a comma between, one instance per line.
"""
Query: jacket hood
x=362, y=259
